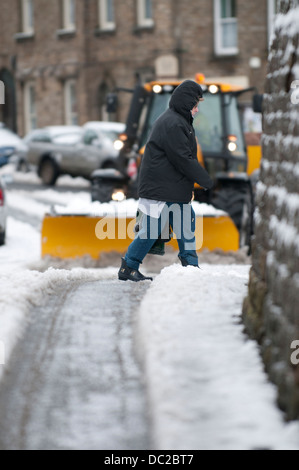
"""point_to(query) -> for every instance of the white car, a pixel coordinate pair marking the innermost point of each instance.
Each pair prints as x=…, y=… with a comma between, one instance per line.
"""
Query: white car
x=2, y=214
x=72, y=150
x=11, y=145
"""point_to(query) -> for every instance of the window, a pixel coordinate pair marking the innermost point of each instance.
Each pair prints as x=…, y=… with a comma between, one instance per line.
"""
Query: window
x=272, y=12
x=71, y=111
x=27, y=17
x=30, y=108
x=90, y=136
x=69, y=15
x=208, y=124
x=41, y=137
x=145, y=13
x=106, y=13
x=226, y=27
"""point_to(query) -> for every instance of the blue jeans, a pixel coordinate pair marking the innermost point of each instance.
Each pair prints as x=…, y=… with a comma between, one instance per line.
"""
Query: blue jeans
x=181, y=218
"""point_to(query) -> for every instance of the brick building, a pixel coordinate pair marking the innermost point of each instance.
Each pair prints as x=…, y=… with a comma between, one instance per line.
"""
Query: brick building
x=59, y=58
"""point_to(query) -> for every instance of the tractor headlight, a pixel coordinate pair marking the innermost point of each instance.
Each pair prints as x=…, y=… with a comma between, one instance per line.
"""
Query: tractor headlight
x=118, y=144
x=118, y=195
x=232, y=143
x=157, y=89
x=232, y=146
x=213, y=89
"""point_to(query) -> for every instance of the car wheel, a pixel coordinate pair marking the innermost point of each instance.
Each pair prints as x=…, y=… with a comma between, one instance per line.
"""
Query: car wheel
x=2, y=238
x=48, y=172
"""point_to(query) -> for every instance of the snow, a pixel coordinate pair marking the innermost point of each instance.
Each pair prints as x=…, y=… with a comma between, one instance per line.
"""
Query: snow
x=204, y=379
x=32, y=178
x=127, y=208
x=206, y=384
x=21, y=250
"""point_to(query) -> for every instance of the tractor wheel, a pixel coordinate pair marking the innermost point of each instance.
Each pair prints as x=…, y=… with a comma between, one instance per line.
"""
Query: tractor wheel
x=101, y=191
x=48, y=172
x=237, y=202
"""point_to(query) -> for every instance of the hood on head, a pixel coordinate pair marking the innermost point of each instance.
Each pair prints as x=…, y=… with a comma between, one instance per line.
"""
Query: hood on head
x=185, y=97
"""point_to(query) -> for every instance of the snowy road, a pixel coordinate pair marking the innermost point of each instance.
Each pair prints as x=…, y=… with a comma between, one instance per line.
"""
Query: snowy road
x=93, y=363
x=74, y=382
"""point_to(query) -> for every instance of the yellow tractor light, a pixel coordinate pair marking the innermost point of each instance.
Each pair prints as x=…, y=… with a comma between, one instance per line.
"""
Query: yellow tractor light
x=118, y=195
x=118, y=144
x=157, y=89
x=213, y=89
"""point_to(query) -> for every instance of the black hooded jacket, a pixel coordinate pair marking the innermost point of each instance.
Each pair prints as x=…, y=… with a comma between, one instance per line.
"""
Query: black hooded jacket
x=169, y=166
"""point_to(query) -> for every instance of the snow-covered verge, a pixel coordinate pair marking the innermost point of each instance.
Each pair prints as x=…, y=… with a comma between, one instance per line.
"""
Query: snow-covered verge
x=206, y=385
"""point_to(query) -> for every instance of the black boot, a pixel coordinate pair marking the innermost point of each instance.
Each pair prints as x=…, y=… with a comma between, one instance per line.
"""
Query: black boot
x=127, y=274
x=185, y=263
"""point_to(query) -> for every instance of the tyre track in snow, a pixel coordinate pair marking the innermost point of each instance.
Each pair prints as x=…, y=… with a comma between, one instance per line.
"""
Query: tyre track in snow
x=73, y=381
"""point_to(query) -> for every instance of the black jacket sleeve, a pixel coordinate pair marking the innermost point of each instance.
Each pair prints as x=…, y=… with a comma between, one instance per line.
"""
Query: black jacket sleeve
x=179, y=153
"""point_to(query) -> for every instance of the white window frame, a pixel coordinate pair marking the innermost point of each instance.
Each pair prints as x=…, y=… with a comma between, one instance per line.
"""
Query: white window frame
x=142, y=20
x=28, y=17
x=104, y=21
x=218, y=23
x=2, y=92
x=71, y=116
x=69, y=23
x=271, y=18
x=30, y=114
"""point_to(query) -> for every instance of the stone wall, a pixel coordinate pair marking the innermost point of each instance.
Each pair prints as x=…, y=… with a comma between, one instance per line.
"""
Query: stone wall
x=271, y=310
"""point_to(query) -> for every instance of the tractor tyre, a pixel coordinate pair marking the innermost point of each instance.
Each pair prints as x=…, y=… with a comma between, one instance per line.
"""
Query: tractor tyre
x=237, y=202
x=101, y=191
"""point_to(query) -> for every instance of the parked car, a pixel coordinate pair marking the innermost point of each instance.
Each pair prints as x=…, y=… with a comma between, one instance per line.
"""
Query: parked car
x=71, y=150
x=2, y=214
x=108, y=131
x=11, y=146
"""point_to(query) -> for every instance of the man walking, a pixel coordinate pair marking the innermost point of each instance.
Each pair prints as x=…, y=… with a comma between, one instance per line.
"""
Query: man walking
x=168, y=172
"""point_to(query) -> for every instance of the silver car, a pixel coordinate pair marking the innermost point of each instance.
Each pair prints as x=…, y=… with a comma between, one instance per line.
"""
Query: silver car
x=71, y=150
x=2, y=214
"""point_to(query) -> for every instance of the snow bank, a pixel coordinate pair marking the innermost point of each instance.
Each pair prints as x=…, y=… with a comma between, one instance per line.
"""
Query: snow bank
x=205, y=379
x=31, y=177
x=127, y=208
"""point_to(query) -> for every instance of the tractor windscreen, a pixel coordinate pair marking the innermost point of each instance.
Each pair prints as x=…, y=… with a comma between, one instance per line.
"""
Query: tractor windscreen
x=207, y=123
x=216, y=122
x=159, y=102
x=234, y=124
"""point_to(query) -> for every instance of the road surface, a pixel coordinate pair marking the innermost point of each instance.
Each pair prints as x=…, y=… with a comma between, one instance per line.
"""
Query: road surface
x=73, y=380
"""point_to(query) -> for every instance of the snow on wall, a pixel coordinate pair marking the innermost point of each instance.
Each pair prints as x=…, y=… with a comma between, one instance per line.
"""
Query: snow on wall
x=271, y=311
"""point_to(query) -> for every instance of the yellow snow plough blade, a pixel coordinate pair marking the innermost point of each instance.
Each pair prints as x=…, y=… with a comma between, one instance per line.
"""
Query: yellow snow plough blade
x=66, y=237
